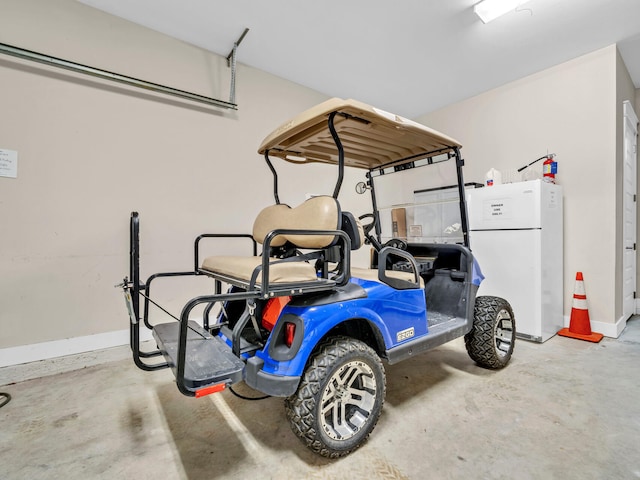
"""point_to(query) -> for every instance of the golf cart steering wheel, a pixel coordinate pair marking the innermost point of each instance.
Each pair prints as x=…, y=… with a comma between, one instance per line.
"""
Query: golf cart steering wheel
x=394, y=242
x=397, y=243
x=369, y=226
x=367, y=230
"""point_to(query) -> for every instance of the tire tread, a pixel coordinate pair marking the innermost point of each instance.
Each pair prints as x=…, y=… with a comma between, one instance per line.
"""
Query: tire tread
x=479, y=341
x=300, y=407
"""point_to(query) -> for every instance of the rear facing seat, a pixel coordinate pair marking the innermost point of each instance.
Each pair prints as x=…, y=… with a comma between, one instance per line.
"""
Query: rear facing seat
x=242, y=268
x=317, y=213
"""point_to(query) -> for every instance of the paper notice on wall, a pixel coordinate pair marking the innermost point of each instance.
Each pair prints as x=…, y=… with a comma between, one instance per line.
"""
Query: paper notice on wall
x=8, y=163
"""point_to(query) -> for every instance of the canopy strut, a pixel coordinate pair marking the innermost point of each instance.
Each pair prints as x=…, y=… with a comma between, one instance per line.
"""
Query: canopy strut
x=275, y=177
x=338, y=143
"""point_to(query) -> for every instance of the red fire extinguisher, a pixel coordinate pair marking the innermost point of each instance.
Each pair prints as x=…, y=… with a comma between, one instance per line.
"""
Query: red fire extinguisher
x=549, y=169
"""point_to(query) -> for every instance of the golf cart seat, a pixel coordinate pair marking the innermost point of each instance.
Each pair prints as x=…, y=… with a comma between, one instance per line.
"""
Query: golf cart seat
x=282, y=226
x=373, y=275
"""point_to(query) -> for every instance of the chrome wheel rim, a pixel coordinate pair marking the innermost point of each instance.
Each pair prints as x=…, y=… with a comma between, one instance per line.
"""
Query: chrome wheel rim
x=348, y=400
x=503, y=333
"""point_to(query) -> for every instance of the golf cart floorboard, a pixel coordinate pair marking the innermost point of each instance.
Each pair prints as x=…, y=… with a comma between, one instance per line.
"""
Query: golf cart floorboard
x=208, y=359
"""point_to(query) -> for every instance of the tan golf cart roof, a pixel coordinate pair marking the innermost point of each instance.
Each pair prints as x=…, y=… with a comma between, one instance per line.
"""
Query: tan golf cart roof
x=371, y=138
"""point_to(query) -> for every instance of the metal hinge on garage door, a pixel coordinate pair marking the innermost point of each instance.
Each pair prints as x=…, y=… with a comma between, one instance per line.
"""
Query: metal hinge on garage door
x=135, y=82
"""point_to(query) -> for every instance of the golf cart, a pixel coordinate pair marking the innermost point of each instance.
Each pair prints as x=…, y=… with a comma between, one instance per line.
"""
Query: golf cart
x=297, y=320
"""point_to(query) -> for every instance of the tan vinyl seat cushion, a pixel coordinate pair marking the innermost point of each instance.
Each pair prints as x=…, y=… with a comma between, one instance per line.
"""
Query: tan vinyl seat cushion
x=372, y=275
x=242, y=268
x=317, y=213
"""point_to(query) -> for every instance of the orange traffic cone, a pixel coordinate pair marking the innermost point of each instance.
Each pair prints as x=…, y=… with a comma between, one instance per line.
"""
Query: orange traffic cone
x=579, y=325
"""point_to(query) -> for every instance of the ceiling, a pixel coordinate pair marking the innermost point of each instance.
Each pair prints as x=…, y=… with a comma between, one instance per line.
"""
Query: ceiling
x=409, y=56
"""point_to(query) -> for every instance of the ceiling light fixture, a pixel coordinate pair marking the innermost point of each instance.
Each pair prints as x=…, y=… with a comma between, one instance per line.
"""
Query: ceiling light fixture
x=489, y=10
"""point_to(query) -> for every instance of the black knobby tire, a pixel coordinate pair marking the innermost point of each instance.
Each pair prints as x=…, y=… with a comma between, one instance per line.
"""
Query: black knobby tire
x=490, y=342
x=343, y=380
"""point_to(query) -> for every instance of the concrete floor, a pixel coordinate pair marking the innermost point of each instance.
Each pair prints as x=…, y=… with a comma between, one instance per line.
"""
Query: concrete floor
x=566, y=409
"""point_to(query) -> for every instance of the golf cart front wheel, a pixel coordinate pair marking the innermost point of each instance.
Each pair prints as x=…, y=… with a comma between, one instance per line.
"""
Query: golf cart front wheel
x=339, y=399
x=490, y=341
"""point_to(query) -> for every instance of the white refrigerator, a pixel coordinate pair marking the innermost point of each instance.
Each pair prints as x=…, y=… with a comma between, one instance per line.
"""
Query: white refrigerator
x=515, y=231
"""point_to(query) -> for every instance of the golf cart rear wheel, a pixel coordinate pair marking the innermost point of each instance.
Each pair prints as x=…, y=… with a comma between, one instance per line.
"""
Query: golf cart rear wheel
x=339, y=399
x=490, y=341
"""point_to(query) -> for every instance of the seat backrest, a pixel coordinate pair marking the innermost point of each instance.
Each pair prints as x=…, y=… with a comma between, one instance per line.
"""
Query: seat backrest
x=352, y=227
x=316, y=213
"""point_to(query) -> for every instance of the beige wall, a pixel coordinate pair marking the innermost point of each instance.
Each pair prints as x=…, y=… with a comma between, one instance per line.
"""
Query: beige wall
x=90, y=152
x=569, y=110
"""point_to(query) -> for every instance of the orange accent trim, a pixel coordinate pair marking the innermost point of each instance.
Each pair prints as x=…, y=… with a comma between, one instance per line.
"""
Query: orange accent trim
x=218, y=387
x=272, y=310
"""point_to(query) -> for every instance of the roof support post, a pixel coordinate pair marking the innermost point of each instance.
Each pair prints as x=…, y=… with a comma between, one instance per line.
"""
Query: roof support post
x=336, y=139
x=275, y=177
x=461, y=195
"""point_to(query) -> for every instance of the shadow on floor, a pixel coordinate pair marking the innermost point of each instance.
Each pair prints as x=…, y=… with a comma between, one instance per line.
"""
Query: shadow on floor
x=214, y=435
x=416, y=376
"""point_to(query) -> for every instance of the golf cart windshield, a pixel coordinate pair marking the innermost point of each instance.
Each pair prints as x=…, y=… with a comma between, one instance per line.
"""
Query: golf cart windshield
x=420, y=205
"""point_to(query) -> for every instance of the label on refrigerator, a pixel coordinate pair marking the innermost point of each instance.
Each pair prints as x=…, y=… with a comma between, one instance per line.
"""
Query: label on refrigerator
x=497, y=208
x=509, y=206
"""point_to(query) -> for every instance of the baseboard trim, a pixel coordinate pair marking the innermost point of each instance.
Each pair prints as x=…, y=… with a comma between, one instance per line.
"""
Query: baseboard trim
x=612, y=330
x=68, y=346
x=72, y=346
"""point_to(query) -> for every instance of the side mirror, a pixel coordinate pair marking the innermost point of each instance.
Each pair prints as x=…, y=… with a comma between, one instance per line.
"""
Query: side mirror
x=362, y=187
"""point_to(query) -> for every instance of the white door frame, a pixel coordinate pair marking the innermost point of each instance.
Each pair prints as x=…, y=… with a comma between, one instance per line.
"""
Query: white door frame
x=629, y=254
